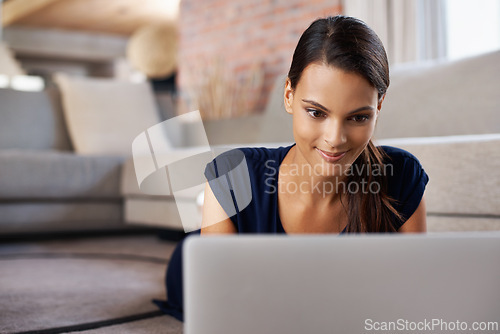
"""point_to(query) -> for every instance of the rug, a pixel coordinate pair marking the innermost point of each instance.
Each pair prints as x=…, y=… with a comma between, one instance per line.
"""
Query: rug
x=89, y=285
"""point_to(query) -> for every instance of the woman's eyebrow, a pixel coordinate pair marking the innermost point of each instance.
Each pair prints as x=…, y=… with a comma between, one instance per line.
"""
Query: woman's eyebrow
x=316, y=104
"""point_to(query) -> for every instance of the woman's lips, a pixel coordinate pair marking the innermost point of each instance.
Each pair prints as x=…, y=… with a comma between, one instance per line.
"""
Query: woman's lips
x=331, y=157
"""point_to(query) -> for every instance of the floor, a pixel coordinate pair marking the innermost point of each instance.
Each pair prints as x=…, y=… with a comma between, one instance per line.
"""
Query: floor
x=91, y=284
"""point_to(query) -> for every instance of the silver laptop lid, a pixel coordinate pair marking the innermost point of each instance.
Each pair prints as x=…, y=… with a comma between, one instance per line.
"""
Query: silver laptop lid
x=352, y=284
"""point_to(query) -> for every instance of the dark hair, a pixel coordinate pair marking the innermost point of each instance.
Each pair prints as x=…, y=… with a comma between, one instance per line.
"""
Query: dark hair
x=346, y=43
x=350, y=45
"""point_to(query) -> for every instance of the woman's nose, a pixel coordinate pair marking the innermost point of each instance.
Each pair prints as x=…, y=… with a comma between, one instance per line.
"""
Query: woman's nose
x=334, y=133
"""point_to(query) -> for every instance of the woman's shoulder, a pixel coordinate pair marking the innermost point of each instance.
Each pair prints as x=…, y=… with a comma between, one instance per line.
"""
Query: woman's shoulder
x=262, y=154
x=406, y=179
x=255, y=159
x=258, y=156
x=402, y=165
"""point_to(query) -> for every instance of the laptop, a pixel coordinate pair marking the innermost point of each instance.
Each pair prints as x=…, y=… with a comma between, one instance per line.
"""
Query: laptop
x=434, y=283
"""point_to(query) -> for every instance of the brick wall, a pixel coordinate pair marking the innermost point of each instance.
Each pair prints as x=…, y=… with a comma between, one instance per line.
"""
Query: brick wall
x=241, y=38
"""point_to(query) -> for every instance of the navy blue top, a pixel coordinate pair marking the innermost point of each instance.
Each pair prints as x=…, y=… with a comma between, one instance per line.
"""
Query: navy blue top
x=258, y=213
x=406, y=181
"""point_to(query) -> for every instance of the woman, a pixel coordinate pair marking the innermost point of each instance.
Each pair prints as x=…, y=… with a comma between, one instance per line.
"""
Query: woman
x=333, y=179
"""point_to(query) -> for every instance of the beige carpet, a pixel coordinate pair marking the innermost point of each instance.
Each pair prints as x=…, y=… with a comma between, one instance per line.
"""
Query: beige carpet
x=90, y=285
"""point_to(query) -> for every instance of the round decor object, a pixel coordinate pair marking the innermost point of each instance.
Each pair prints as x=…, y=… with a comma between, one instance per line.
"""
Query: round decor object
x=152, y=49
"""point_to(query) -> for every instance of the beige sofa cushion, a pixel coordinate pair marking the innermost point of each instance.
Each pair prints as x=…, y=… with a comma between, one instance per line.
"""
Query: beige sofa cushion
x=464, y=179
x=32, y=175
x=32, y=120
x=443, y=99
x=104, y=116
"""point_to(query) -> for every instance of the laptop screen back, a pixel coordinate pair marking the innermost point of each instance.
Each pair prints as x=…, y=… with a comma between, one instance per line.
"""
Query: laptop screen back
x=352, y=284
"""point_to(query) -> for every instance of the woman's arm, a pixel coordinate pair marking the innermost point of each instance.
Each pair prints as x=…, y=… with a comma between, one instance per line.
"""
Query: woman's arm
x=214, y=219
x=416, y=223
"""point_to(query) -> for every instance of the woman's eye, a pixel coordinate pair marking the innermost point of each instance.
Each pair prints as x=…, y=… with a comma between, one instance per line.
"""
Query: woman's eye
x=315, y=113
x=360, y=118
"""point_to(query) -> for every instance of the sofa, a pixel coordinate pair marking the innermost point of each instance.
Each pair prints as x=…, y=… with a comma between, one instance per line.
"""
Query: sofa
x=53, y=179
x=44, y=185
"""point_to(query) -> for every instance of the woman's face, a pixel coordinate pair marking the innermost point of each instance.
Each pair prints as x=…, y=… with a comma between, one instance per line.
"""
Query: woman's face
x=334, y=116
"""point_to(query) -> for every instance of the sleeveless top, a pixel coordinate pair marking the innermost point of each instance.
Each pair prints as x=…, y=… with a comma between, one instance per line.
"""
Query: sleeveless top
x=252, y=204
